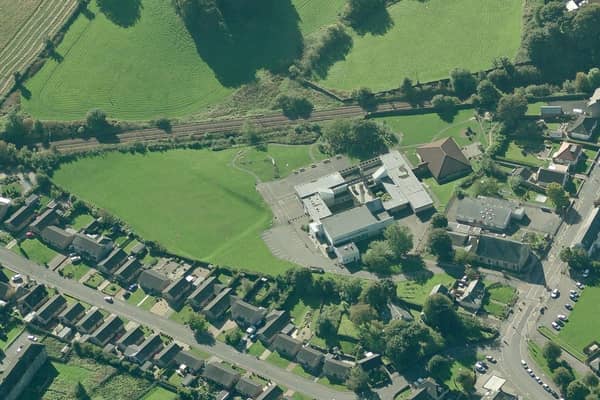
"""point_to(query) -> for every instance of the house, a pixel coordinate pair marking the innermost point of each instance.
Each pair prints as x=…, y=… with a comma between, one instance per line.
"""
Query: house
x=470, y=297
x=153, y=281
x=336, y=369
x=142, y=353
x=217, y=306
x=177, y=290
x=90, y=321
x=48, y=217
x=488, y=212
x=94, y=249
x=113, y=260
x=50, y=309
x=188, y=361
x=370, y=361
x=248, y=388
x=112, y=326
x=568, y=154
x=22, y=361
x=221, y=374
x=23, y=216
x=347, y=254
x=499, y=252
x=32, y=300
x=4, y=207
x=202, y=293
x=583, y=128
x=593, y=105
x=246, y=314
x=271, y=392
x=133, y=336
x=444, y=160
x=274, y=322
x=128, y=271
x=166, y=357
x=553, y=174
x=72, y=314
x=286, y=345
x=56, y=237
x=428, y=389
x=310, y=359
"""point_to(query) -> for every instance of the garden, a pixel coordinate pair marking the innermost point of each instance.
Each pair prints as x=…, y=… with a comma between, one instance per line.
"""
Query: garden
x=35, y=250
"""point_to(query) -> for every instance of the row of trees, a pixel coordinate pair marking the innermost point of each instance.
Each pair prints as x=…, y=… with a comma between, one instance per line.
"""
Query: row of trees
x=358, y=138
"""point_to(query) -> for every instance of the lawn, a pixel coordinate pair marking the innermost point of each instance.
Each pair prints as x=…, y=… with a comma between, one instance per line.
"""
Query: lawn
x=442, y=192
x=316, y=13
x=502, y=293
x=535, y=351
x=111, y=289
x=148, y=303
x=136, y=296
x=427, y=40
x=256, y=349
x=35, y=251
x=191, y=201
x=463, y=364
x=14, y=330
x=417, y=292
x=334, y=385
x=159, y=393
x=278, y=161
x=275, y=359
x=183, y=315
x=535, y=108
x=584, y=325
x=80, y=221
x=75, y=271
x=132, y=69
x=347, y=328
x=524, y=152
x=94, y=280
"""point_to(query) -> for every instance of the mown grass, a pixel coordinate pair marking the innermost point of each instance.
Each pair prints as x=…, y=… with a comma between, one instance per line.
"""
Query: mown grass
x=416, y=292
x=159, y=393
x=35, y=251
x=75, y=271
x=584, y=325
x=275, y=359
x=193, y=202
x=314, y=14
x=256, y=349
x=427, y=40
x=131, y=73
x=12, y=331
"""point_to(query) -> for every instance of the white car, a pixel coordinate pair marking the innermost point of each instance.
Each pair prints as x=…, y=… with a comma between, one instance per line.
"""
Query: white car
x=573, y=292
x=17, y=278
x=555, y=325
x=524, y=364
x=579, y=285
x=32, y=338
x=562, y=317
x=555, y=293
x=108, y=299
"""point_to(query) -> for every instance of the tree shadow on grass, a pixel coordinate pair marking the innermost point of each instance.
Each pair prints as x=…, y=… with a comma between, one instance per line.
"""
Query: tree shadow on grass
x=245, y=38
x=377, y=24
x=124, y=13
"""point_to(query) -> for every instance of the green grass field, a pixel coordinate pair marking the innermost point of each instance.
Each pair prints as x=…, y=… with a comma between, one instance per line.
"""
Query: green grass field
x=149, y=69
x=35, y=250
x=193, y=202
x=427, y=40
x=584, y=325
x=76, y=271
x=159, y=393
x=317, y=13
x=417, y=292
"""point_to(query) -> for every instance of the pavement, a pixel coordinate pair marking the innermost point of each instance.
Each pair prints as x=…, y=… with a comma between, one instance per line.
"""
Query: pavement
x=177, y=331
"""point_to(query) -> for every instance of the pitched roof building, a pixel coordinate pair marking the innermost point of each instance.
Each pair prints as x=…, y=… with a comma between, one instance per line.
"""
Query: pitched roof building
x=166, y=357
x=133, y=336
x=311, y=359
x=22, y=217
x=248, y=388
x=48, y=217
x=444, y=159
x=247, y=314
x=203, y=292
x=546, y=176
x=217, y=306
x=23, y=360
x=177, y=290
x=286, y=345
x=221, y=374
x=153, y=281
x=112, y=326
x=142, y=353
x=128, y=271
x=113, y=260
x=274, y=323
x=94, y=249
x=583, y=128
x=72, y=314
x=33, y=299
x=57, y=237
x=336, y=369
x=568, y=154
x=50, y=309
x=90, y=321
x=502, y=253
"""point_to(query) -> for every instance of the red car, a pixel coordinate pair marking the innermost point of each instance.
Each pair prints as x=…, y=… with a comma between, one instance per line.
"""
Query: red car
x=29, y=234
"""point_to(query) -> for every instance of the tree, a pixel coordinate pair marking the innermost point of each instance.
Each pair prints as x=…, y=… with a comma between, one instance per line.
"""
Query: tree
x=359, y=10
x=562, y=377
x=409, y=91
x=577, y=391
x=463, y=82
x=515, y=182
x=362, y=313
x=96, y=120
x=486, y=186
x=594, y=77
x=407, y=342
x=466, y=380
x=590, y=380
x=328, y=321
x=582, y=83
x=440, y=314
x=351, y=290
x=378, y=257
x=294, y=107
x=8, y=154
x=358, y=380
x=511, y=108
x=79, y=392
x=440, y=244
x=15, y=130
x=361, y=138
x=298, y=279
x=198, y=324
x=551, y=351
x=437, y=366
x=365, y=98
x=488, y=94
x=557, y=195
x=399, y=239
x=445, y=106
x=233, y=337
x=576, y=257
x=439, y=221
x=379, y=293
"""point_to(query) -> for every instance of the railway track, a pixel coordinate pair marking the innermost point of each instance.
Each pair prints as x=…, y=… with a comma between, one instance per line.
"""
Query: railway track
x=198, y=129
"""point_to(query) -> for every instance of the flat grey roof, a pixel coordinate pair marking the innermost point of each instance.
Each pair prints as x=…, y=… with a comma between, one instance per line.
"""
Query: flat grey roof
x=400, y=172
x=349, y=221
x=485, y=211
x=325, y=182
x=316, y=207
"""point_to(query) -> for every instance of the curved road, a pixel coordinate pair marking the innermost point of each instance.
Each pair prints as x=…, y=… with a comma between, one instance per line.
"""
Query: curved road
x=171, y=328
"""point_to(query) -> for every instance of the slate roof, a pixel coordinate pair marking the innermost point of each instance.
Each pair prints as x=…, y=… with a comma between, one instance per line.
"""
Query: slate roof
x=336, y=368
x=17, y=364
x=583, y=125
x=166, y=355
x=247, y=313
x=131, y=337
x=204, y=291
x=274, y=322
x=51, y=307
x=568, y=152
x=6, y=291
x=148, y=348
x=546, y=176
x=217, y=306
x=129, y=269
x=35, y=297
x=113, y=260
x=248, y=387
x=190, y=360
x=72, y=313
x=310, y=358
x=92, y=247
x=271, y=392
x=90, y=320
x=501, y=249
x=22, y=215
x=178, y=288
x=444, y=159
x=57, y=236
x=370, y=361
x=286, y=345
x=46, y=218
x=221, y=374
x=111, y=326
x=153, y=280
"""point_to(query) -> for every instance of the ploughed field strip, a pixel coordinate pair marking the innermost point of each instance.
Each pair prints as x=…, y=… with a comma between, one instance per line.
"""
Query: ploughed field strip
x=28, y=40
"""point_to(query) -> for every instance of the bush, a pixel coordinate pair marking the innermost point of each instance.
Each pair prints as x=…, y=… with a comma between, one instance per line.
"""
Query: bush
x=294, y=107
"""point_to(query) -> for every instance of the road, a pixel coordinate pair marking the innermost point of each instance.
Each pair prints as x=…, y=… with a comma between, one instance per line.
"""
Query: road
x=196, y=129
x=175, y=330
x=535, y=294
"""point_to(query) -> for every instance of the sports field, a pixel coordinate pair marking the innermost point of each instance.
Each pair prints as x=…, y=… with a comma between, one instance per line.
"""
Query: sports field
x=317, y=13
x=584, y=325
x=195, y=203
x=138, y=69
x=428, y=39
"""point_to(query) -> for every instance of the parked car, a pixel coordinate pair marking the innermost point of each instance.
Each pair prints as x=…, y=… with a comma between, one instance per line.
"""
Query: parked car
x=524, y=364
x=555, y=325
x=133, y=287
x=29, y=235
x=108, y=299
x=568, y=306
x=490, y=359
x=317, y=270
x=17, y=278
x=562, y=317
x=555, y=293
x=75, y=259
x=579, y=285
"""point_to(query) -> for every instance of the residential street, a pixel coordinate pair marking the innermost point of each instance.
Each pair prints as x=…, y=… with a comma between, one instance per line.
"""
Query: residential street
x=168, y=327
